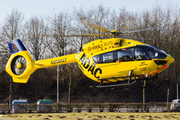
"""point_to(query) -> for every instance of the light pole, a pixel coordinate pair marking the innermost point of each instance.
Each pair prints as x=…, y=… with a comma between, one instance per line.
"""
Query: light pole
x=58, y=84
x=167, y=98
x=144, y=95
x=10, y=93
x=177, y=91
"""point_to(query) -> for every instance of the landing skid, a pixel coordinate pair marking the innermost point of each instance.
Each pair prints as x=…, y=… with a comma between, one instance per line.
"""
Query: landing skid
x=129, y=82
x=116, y=85
x=133, y=88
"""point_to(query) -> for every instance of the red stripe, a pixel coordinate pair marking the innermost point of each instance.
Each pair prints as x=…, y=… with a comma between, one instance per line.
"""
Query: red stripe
x=164, y=67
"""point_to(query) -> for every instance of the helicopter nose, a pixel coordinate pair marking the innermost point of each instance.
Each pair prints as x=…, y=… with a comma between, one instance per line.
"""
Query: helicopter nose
x=170, y=59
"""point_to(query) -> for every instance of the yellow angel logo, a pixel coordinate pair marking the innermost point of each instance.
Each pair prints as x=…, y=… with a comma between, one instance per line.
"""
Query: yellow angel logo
x=14, y=47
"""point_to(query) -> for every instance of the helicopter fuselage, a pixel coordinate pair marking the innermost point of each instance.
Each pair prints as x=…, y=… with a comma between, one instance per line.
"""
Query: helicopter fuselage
x=112, y=62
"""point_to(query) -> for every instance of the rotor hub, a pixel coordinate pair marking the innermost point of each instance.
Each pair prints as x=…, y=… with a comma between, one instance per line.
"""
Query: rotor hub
x=19, y=65
x=114, y=31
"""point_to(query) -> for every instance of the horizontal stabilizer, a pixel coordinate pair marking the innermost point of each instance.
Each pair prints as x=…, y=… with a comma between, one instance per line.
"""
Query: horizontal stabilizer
x=20, y=80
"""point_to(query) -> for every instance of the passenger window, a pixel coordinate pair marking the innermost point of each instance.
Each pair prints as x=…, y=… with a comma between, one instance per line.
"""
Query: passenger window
x=140, y=54
x=126, y=54
x=106, y=57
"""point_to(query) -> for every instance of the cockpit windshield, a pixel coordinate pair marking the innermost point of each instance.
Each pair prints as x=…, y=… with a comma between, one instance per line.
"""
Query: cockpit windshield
x=155, y=53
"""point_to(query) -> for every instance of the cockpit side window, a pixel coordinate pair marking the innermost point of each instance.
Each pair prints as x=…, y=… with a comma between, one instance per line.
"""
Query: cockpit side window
x=96, y=58
x=126, y=54
x=140, y=54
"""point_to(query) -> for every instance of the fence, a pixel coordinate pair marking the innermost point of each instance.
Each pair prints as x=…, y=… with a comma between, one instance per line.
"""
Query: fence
x=89, y=107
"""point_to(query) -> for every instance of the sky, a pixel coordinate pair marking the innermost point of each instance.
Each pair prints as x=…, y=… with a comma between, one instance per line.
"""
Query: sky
x=47, y=7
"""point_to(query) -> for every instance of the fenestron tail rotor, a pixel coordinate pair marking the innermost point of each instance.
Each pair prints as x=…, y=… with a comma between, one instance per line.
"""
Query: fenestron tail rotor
x=18, y=65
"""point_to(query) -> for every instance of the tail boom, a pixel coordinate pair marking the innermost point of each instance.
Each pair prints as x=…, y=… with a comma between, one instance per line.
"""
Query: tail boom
x=55, y=61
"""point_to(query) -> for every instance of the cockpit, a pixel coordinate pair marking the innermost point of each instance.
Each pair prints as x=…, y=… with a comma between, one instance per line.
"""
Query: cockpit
x=141, y=52
x=155, y=53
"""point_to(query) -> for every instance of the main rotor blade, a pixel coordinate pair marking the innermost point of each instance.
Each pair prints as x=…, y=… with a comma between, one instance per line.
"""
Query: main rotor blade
x=95, y=26
x=86, y=35
x=139, y=30
x=83, y=35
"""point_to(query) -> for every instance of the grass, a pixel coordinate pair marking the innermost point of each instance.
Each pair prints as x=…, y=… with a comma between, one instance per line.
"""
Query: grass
x=92, y=116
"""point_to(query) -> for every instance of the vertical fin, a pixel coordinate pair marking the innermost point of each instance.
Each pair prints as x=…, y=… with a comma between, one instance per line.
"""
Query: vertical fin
x=16, y=46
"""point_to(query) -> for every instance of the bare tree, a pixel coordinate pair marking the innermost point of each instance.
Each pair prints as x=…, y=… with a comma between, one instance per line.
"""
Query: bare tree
x=87, y=21
x=36, y=34
x=11, y=30
x=12, y=26
x=60, y=28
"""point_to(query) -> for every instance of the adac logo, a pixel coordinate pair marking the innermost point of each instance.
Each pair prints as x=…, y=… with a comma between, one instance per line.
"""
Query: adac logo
x=14, y=47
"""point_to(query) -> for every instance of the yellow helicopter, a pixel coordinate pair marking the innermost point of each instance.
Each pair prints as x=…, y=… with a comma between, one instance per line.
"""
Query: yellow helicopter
x=112, y=60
